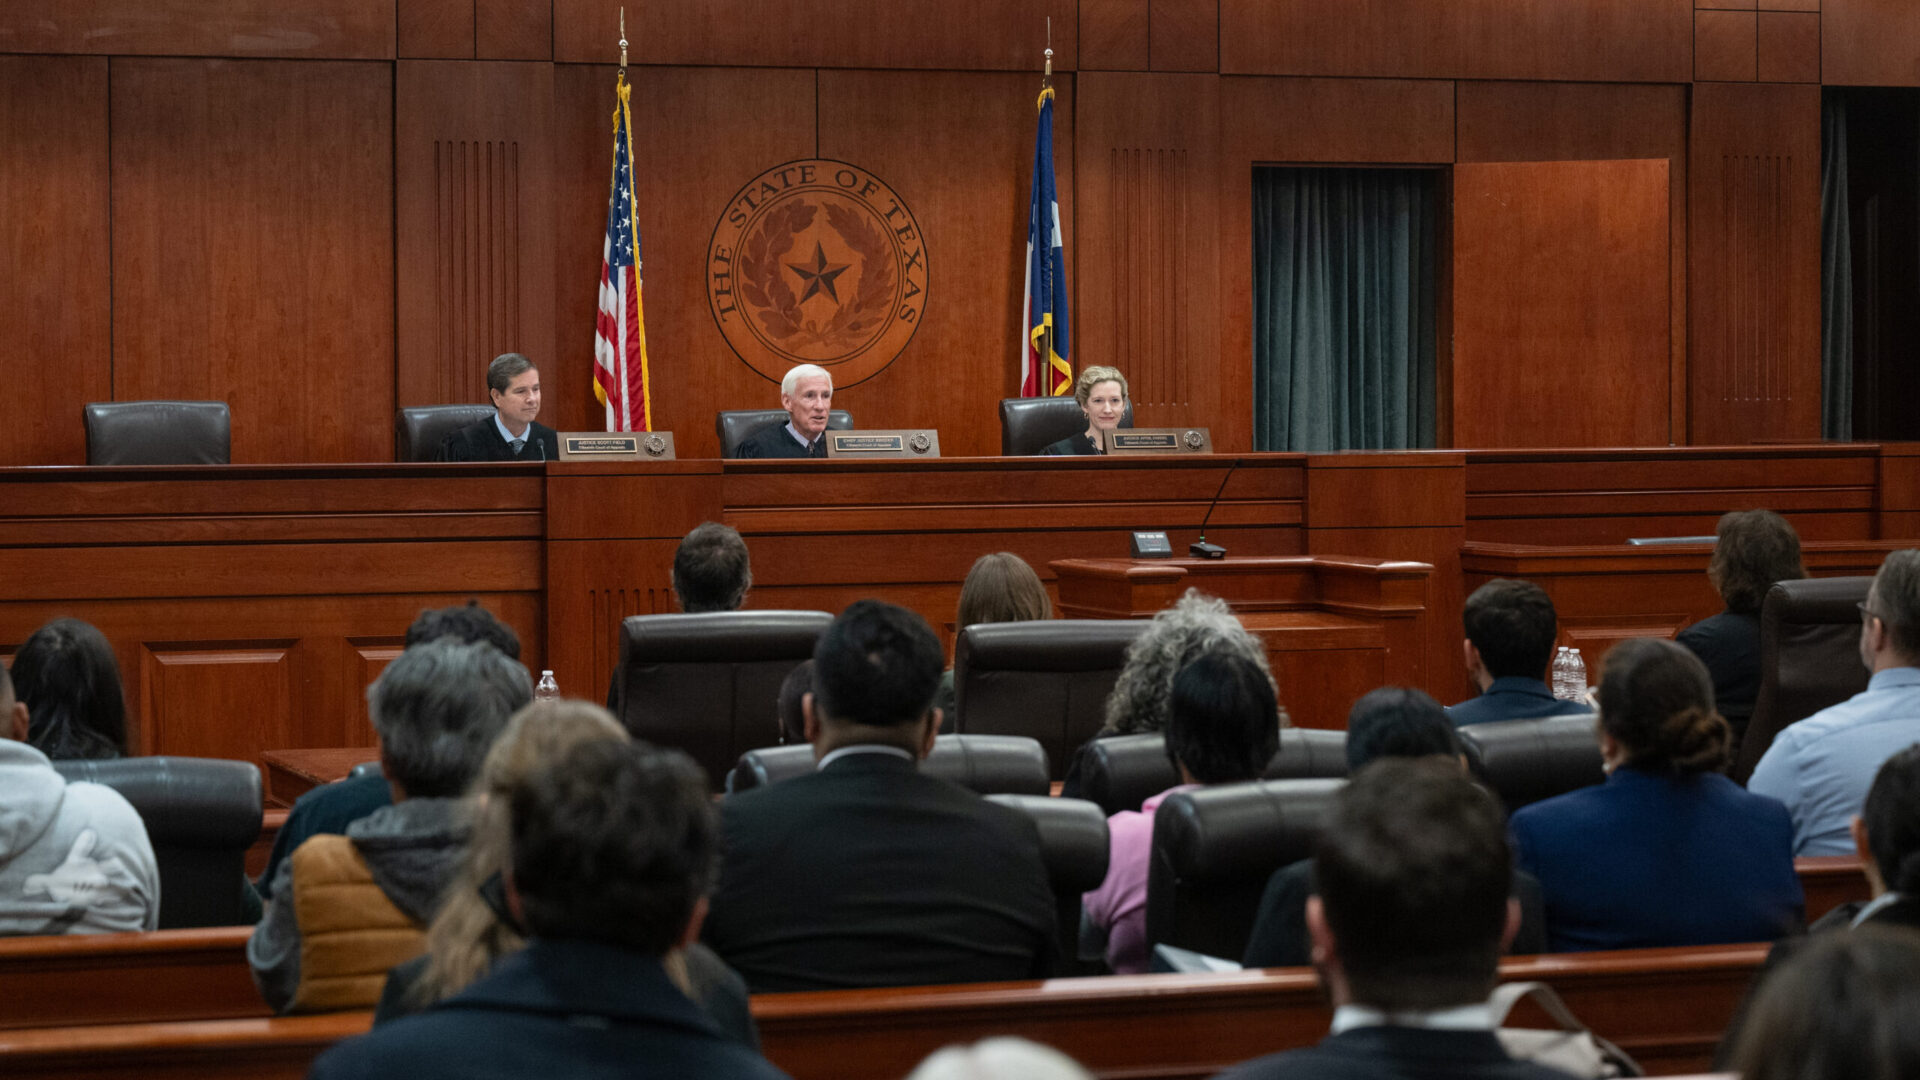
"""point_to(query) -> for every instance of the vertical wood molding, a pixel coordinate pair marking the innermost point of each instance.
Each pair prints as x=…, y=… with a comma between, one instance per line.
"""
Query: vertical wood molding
x=1147, y=192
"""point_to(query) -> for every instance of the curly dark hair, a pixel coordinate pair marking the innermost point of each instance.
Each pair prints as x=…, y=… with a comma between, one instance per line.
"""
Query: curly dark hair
x=1752, y=549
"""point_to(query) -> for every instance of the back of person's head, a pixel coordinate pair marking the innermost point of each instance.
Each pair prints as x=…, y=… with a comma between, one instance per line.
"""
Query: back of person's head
x=1002, y=588
x=67, y=677
x=467, y=935
x=1512, y=624
x=1892, y=820
x=1895, y=599
x=1752, y=549
x=1656, y=700
x=711, y=571
x=1196, y=625
x=1842, y=1008
x=793, y=692
x=613, y=842
x=877, y=665
x=464, y=622
x=1398, y=721
x=438, y=707
x=1003, y=1058
x=1413, y=875
x=1224, y=723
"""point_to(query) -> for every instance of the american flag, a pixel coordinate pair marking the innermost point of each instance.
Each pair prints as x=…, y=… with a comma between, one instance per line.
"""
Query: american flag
x=620, y=335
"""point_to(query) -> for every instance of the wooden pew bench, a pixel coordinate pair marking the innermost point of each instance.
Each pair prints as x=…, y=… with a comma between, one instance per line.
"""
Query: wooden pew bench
x=1667, y=1007
x=166, y=975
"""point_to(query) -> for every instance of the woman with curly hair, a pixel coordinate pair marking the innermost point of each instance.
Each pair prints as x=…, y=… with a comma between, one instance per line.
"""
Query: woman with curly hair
x=1196, y=625
x=474, y=927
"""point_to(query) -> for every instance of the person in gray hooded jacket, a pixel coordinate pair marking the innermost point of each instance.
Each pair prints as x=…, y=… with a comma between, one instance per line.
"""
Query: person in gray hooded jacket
x=74, y=857
x=437, y=710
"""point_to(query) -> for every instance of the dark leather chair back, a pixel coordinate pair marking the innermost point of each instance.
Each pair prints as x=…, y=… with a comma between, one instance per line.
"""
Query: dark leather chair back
x=1524, y=761
x=419, y=430
x=1809, y=658
x=1047, y=680
x=987, y=764
x=1074, y=843
x=364, y=770
x=201, y=815
x=1030, y=425
x=158, y=433
x=708, y=684
x=1121, y=772
x=734, y=425
x=1214, y=849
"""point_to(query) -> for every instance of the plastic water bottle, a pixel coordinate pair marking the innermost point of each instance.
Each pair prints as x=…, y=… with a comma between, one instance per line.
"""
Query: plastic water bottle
x=1576, y=675
x=546, y=689
x=1563, y=673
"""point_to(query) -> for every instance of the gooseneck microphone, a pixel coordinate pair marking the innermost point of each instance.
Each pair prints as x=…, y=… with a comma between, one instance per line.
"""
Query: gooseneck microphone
x=1200, y=549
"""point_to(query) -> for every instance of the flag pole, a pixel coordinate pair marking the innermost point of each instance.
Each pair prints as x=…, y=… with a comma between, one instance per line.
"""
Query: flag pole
x=623, y=41
x=1046, y=337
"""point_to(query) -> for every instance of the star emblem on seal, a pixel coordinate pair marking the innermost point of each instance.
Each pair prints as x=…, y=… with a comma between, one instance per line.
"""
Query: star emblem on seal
x=819, y=277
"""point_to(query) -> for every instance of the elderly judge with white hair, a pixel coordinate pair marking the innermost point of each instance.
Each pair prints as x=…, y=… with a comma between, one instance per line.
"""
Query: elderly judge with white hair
x=807, y=395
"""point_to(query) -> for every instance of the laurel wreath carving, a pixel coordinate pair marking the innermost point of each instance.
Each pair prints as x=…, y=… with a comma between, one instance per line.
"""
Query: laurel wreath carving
x=763, y=283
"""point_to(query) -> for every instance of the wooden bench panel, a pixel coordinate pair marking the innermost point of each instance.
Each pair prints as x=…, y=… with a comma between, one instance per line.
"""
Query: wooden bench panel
x=166, y=975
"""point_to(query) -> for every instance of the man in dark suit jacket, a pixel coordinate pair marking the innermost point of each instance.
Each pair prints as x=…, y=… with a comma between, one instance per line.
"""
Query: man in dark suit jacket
x=1510, y=632
x=512, y=434
x=612, y=846
x=867, y=872
x=807, y=394
x=1407, y=929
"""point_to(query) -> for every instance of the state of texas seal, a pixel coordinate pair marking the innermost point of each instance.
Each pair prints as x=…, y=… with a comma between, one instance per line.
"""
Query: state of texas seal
x=817, y=262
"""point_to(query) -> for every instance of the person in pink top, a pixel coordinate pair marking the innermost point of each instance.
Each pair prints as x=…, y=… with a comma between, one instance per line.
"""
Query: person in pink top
x=1223, y=726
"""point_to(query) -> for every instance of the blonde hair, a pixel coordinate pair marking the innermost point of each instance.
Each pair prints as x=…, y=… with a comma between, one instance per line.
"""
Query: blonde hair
x=1002, y=588
x=465, y=936
x=1094, y=376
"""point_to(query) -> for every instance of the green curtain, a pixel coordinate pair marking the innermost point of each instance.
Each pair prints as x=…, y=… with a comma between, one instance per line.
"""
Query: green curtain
x=1343, y=308
x=1836, y=274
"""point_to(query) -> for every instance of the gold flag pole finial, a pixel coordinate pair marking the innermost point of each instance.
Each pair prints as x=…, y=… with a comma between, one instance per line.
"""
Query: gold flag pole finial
x=623, y=40
x=1047, y=78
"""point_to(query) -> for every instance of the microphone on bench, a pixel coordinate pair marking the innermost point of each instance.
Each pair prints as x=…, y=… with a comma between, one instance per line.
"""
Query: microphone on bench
x=1200, y=549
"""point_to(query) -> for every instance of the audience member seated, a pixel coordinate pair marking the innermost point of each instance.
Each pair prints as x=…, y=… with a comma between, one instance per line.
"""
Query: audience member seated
x=1821, y=767
x=1000, y=588
x=1002, y=1058
x=1410, y=917
x=74, y=858
x=1668, y=851
x=1510, y=633
x=1843, y=1009
x=711, y=569
x=66, y=676
x=1752, y=549
x=1223, y=725
x=794, y=690
x=345, y=909
x=1391, y=722
x=611, y=847
x=330, y=808
x=868, y=872
x=473, y=930
x=1196, y=625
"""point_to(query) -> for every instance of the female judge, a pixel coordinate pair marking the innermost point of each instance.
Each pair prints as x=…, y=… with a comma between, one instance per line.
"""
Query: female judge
x=1102, y=394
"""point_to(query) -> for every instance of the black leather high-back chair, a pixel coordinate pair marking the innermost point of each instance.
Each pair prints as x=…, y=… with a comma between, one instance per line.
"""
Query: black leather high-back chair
x=1075, y=846
x=1121, y=772
x=708, y=683
x=1524, y=761
x=1214, y=849
x=1809, y=658
x=1047, y=680
x=986, y=764
x=734, y=425
x=202, y=815
x=419, y=430
x=158, y=433
x=1030, y=425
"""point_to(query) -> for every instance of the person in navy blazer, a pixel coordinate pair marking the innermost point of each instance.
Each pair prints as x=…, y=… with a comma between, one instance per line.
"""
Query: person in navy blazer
x=1510, y=629
x=1667, y=851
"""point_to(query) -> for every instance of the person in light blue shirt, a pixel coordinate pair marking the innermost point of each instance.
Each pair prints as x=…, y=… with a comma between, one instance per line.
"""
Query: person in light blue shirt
x=1510, y=629
x=1822, y=766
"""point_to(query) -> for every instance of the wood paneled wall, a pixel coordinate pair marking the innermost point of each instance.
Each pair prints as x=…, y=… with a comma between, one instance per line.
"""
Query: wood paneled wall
x=321, y=209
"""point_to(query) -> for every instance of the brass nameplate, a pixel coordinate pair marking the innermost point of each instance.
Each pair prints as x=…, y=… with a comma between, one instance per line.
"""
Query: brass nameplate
x=616, y=446
x=1173, y=440
x=903, y=443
